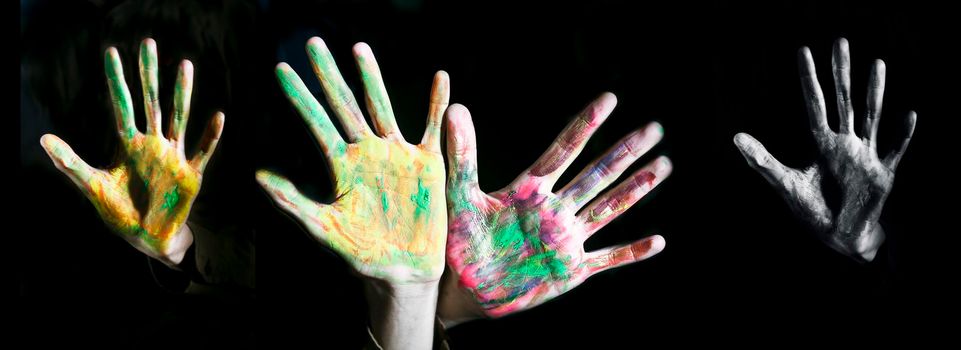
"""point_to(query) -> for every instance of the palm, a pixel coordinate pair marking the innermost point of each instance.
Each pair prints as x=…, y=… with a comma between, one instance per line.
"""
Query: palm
x=523, y=245
x=389, y=220
x=147, y=196
x=154, y=173
x=386, y=217
x=514, y=242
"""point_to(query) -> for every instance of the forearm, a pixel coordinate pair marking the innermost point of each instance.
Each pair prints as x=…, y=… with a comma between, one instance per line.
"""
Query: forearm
x=402, y=316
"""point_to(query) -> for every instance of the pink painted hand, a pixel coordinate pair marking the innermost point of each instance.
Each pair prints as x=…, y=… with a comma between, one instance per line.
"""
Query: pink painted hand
x=389, y=221
x=518, y=247
x=147, y=196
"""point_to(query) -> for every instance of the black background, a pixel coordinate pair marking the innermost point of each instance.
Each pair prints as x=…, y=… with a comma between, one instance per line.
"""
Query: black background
x=737, y=265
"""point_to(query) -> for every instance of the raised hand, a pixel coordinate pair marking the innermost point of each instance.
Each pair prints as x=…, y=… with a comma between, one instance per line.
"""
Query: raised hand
x=388, y=221
x=852, y=162
x=147, y=196
x=518, y=247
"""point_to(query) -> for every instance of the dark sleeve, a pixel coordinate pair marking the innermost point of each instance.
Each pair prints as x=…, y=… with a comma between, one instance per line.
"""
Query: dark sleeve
x=218, y=262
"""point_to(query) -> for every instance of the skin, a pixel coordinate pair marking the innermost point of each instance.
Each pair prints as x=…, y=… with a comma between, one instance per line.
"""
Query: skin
x=146, y=197
x=850, y=161
x=518, y=247
x=389, y=221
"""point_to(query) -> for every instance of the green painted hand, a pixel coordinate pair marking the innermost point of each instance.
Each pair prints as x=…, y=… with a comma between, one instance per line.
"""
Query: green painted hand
x=389, y=220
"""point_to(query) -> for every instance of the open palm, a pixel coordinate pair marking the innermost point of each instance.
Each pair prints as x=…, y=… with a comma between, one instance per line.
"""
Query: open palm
x=520, y=246
x=389, y=220
x=851, y=162
x=147, y=196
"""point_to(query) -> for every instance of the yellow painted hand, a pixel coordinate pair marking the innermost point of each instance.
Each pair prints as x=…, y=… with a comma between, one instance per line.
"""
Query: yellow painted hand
x=147, y=196
x=389, y=220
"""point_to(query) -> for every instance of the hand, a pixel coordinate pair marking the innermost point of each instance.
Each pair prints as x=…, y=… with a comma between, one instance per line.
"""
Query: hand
x=147, y=196
x=389, y=220
x=864, y=179
x=518, y=247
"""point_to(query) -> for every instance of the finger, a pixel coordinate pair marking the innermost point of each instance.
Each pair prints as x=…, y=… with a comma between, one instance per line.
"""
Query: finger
x=317, y=217
x=439, y=99
x=572, y=139
x=150, y=83
x=308, y=107
x=612, y=257
x=893, y=158
x=599, y=174
x=182, y=93
x=813, y=98
x=339, y=96
x=283, y=192
x=119, y=95
x=209, y=142
x=67, y=161
x=378, y=102
x=875, y=96
x=613, y=203
x=461, y=148
x=841, y=64
x=761, y=160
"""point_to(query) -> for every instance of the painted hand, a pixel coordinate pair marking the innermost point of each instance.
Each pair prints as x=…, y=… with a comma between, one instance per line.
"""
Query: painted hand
x=518, y=247
x=388, y=221
x=852, y=163
x=147, y=196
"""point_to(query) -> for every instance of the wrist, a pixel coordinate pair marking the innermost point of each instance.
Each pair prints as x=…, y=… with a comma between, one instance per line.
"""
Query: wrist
x=176, y=249
x=401, y=314
x=455, y=305
x=862, y=246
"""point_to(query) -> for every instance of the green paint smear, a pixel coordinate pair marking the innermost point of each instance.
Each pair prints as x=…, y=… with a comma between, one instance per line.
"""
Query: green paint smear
x=520, y=274
x=140, y=232
x=421, y=199
x=120, y=94
x=383, y=194
x=171, y=198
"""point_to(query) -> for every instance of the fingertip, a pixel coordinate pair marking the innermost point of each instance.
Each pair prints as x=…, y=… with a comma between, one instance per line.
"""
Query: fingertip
x=654, y=128
x=362, y=49
x=608, y=99
x=841, y=43
x=218, y=121
x=263, y=177
x=912, y=122
x=442, y=79
x=49, y=143
x=282, y=70
x=742, y=139
x=663, y=167
x=111, y=52
x=46, y=139
x=187, y=67
x=657, y=244
x=457, y=111
x=316, y=41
